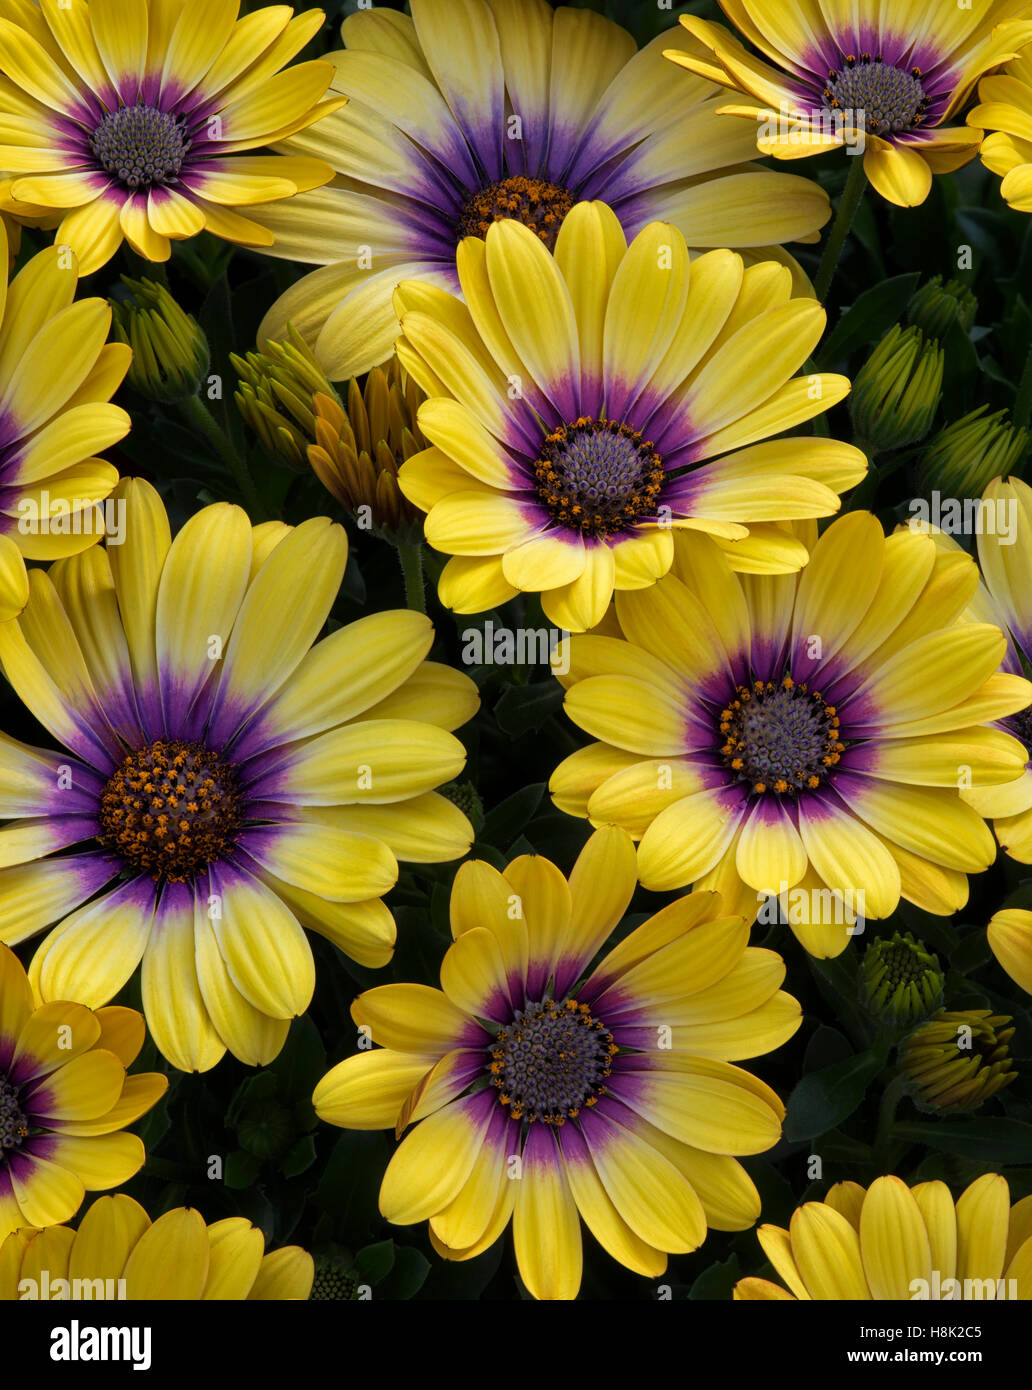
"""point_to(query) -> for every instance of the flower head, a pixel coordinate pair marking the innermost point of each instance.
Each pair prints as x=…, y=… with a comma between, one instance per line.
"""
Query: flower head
x=1004, y=540
x=588, y=404
x=1010, y=940
x=542, y=1089
x=1005, y=109
x=57, y=377
x=805, y=733
x=884, y=79
x=225, y=781
x=475, y=110
x=132, y=117
x=892, y=1241
x=956, y=1061
x=64, y=1098
x=118, y=1252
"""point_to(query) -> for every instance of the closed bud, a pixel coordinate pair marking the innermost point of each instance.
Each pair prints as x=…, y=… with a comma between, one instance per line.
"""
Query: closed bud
x=936, y=307
x=275, y=396
x=360, y=446
x=956, y=1061
x=896, y=392
x=900, y=980
x=170, y=351
x=964, y=457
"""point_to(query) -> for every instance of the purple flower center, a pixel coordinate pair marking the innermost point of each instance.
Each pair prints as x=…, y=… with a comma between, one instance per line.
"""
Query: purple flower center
x=551, y=1061
x=780, y=738
x=171, y=809
x=539, y=205
x=14, y=1127
x=598, y=477
x=140, y=146
x=891, y=100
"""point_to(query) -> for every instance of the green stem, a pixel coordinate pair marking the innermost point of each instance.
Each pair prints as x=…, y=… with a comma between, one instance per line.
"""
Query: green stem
x=850, y=201
x=193, y=410
x=891, y=1097
x=410, y=553
x=1023, y=400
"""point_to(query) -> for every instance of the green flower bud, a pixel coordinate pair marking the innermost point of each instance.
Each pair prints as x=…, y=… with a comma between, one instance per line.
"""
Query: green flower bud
x=963, y=458
x=896, y=392
x=275, y=396
x=359, y=447
x=465, y=796
x=335, y=1279
x=170, y=351
x=900, y=980
x=956, y=1061
x=935, y=307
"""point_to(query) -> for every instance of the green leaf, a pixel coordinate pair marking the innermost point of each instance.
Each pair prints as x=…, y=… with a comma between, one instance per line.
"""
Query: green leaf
x=823, y=1099
x=996, y=1140
x=302, y=1063
x=241, y=1169
x=717, y=1282
x=375, y=1262
x=504, y=823
x=300, y=1158
x=522, y=709
x=826, y=1047
x=408, y=1275
x=871, y=316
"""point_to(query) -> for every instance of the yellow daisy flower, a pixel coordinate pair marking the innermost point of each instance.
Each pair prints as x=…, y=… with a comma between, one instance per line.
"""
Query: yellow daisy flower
x=118, y=1252
x=802, y=735
x=549, y=1092
x=226, y=782
x=14, y=582
x=882, y=78
x=1004, y=541
x=1006, y=109
x=1010, y=940
x=130, y=116
x=588, y=403
x=57, y=377
x=896, y=1242
x=64, y=1095
x=473, y=110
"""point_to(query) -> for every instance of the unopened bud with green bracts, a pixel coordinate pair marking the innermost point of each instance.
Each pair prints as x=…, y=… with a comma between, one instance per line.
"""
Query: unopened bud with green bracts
x=956, y=1061
x=170, y=350
x=276, y=393
x=963, y=458
x=900, y=980
x=896, y=392
x=935, y=307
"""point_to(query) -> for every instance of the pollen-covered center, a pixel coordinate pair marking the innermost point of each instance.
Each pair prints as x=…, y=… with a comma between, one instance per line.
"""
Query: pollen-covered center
x=551, y=1061
x=598, y=477
x=13, y=1125
x=779, y=738
x=891, y=99
x=170, y=809
x=539, y=205
x=140, y=146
